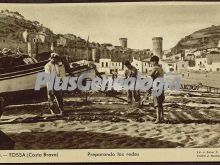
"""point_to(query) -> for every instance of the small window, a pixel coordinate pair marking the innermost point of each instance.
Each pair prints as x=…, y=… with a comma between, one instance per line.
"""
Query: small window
x=102, y=64
x=217, y=69
x=183, y=65
x=112, y=64
x=106, y=64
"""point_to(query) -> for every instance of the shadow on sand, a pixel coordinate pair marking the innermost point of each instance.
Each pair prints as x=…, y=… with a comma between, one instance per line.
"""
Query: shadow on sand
x=85, y=140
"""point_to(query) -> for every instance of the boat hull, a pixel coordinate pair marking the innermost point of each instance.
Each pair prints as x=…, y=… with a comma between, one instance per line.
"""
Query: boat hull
x=17, y=86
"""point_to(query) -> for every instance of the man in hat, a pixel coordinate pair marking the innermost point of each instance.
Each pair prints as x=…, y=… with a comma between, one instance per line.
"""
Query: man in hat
x=55, y=65
x=131, y=71
x=157, y=71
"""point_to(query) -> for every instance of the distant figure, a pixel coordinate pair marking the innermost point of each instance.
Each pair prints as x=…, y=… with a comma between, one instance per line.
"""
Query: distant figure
x=206, y=74
x=183, y=75
x=188, y=73
x=114, y=75
x=131, y=71
x=56, y=66
x=158, y=100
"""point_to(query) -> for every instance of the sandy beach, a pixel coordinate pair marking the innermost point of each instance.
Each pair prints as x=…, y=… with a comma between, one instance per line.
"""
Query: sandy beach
x=192, y=120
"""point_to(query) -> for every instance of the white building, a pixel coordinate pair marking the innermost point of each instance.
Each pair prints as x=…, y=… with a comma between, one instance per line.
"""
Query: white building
x=201, y=64
x=104, y=65
x=182, y=65
x=137, y=64
x=213, y=50
x=177, y=57
x=107, y=66
x=189, y=51
x=209, y=63
x=198, y=53
x=168, y=65
x=213, y=61
x=142, y=66
x=116, y=66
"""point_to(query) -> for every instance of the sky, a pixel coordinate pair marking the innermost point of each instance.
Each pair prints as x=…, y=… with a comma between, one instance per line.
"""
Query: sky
x=139, y=22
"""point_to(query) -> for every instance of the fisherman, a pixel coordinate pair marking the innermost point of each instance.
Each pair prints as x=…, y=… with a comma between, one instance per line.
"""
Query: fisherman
x=131, y=71
x=55, y=65
x=157, y=71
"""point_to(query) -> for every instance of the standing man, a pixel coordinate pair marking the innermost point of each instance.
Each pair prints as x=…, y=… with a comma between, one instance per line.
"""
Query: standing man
x=131, y=71
x=114, y=75
x=55, y=65
x=157, y=71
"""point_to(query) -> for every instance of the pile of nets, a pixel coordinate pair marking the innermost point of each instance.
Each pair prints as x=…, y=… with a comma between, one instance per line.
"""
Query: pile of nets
x=10, y=59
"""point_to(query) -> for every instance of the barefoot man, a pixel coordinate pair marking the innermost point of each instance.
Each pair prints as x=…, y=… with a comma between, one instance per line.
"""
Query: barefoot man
x=56, y=66
x=158, y=100
x=131, y=71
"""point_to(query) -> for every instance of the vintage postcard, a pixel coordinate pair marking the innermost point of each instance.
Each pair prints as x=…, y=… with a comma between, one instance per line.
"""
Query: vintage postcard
x=110, y=82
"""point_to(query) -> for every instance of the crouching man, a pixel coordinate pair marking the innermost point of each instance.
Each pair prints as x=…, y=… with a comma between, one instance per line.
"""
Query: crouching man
x=55, y=66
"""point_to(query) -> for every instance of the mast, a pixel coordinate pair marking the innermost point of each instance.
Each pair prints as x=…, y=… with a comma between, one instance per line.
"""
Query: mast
x=87, y=49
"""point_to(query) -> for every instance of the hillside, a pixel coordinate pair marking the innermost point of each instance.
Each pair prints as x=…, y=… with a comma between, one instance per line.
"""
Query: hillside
x=12, y=25
x=204, y=38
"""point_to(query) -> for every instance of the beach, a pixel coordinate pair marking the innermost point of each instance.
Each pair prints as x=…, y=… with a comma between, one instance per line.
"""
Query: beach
x=192, y=119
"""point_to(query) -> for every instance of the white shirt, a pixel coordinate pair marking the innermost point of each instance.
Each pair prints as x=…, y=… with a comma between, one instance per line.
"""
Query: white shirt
x=58, y=69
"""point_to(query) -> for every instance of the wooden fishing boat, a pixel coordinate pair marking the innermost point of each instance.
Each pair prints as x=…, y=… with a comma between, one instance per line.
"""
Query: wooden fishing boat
x=17, y=83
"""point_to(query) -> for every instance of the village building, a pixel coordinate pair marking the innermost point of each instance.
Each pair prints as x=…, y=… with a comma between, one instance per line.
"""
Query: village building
x=168, y=65
x=109, y=66
x=116, y=66
x=201, y=64
x=178, y=56
x=190, y=57
x=182, y=65
x=61, y=41
x=143, y=66
x=213, y=61
x=137, y=64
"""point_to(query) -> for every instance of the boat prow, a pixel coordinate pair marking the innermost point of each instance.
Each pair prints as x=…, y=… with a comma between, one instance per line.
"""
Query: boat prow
x=17, y=83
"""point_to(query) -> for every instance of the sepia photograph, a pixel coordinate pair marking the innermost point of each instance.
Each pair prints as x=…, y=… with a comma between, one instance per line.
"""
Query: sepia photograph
x=109, y=76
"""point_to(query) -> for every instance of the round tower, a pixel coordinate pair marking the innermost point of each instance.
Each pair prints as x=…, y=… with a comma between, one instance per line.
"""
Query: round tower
x=123, y=42
x=158, y=46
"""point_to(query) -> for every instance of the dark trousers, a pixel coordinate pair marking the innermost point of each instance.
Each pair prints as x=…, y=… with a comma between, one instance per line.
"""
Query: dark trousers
x=133, y=95
x=55, y=96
